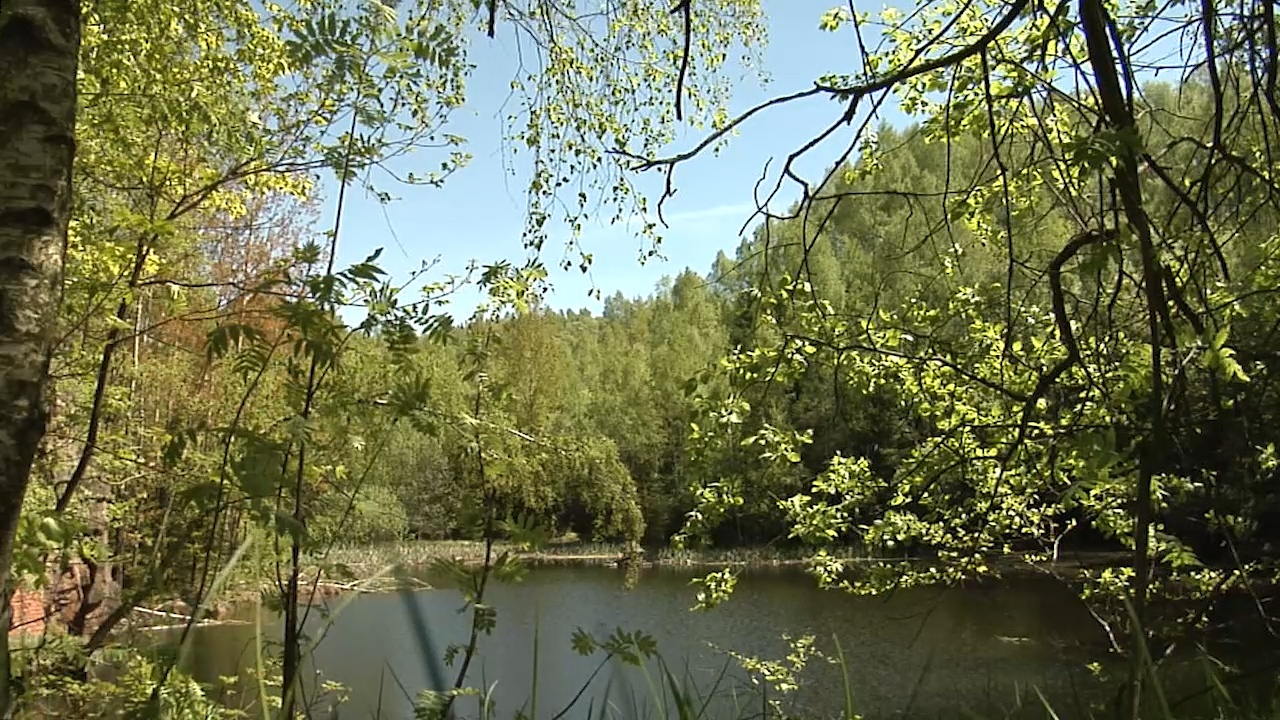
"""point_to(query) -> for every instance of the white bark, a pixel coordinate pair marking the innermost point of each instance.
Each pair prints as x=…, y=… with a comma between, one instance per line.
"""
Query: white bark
x=39, y=48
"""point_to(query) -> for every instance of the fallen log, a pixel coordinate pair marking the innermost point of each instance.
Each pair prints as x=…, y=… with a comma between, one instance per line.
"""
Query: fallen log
x=186, y=619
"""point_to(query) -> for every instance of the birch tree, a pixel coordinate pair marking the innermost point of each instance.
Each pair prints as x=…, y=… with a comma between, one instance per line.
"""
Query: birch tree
x=39, y=49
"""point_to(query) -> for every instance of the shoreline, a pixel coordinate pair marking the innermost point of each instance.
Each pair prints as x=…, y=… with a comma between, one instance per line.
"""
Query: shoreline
x=361, y=566
x=400, y=567
x=366, y=575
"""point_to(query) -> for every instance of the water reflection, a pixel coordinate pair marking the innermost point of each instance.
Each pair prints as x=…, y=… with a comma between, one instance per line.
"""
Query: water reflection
x=916, y=653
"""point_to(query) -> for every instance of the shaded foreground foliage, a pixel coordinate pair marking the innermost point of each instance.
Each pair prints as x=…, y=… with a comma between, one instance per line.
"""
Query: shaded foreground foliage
x=1040, y=320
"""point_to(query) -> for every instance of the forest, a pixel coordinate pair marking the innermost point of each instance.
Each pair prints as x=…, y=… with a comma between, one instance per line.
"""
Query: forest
x=1032, y=329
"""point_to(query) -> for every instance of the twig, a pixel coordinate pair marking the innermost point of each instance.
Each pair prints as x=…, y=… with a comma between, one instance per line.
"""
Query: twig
x=685, y=6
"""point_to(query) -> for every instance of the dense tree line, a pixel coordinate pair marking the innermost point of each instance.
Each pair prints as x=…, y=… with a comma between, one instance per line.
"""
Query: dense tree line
x=1041, y=319
x=890, y=313
x=590, y=416
x=185, y=403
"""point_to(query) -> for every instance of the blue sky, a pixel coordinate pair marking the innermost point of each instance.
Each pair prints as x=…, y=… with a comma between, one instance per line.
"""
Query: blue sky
x=479, y=213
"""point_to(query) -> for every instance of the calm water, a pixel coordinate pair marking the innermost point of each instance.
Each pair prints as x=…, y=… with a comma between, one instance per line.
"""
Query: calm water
x=919, y=653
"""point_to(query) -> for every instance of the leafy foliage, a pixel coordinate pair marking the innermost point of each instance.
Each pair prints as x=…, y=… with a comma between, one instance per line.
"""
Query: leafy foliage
x=1040, y=321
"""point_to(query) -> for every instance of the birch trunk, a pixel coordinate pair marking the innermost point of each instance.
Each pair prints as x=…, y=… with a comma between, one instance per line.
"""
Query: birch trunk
x=39, y=48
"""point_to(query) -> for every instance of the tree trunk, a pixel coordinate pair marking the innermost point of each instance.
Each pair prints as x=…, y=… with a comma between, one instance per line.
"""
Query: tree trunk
x=1118, y=113
x=39, y=49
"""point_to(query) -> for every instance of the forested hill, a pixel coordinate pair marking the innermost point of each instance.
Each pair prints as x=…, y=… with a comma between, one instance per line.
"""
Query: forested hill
x=872, y=369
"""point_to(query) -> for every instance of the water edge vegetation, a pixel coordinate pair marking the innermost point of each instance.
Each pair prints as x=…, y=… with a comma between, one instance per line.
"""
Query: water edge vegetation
x=1036, y=318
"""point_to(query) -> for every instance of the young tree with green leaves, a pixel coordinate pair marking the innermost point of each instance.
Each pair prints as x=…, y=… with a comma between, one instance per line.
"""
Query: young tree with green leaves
x=1053, y=388
x=191, y=116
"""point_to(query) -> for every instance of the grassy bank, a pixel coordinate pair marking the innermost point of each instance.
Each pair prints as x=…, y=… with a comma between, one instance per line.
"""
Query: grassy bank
x=420, y=553
x=367, y=560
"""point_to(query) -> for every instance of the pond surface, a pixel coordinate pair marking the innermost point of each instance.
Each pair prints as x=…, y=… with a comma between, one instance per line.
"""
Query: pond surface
x=920, y=653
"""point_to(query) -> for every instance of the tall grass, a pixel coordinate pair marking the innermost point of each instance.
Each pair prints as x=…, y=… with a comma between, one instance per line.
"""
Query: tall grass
x=667, y=694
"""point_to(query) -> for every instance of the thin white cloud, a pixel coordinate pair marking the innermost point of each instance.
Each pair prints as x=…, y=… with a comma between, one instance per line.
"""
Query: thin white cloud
x=733, y=211
x=738, y=211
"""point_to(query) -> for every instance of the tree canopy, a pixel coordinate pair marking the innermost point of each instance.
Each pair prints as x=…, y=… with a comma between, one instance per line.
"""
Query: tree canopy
x=1039, y=319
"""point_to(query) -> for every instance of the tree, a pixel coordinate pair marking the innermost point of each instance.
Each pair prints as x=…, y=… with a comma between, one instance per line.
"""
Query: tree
x=1056, y=375
x=273, y=97
x=39, y=46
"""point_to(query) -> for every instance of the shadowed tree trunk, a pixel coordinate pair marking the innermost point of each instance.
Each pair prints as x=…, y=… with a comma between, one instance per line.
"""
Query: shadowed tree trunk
x=39, y=48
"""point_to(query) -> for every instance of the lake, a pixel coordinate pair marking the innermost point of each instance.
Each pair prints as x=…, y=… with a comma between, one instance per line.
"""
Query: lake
x=920, y=653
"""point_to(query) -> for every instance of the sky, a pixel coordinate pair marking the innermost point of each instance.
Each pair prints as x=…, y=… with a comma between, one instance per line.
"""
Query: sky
x=479, y=212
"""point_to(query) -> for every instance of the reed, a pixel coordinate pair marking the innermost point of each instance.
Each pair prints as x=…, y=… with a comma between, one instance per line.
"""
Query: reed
x=422, y=553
